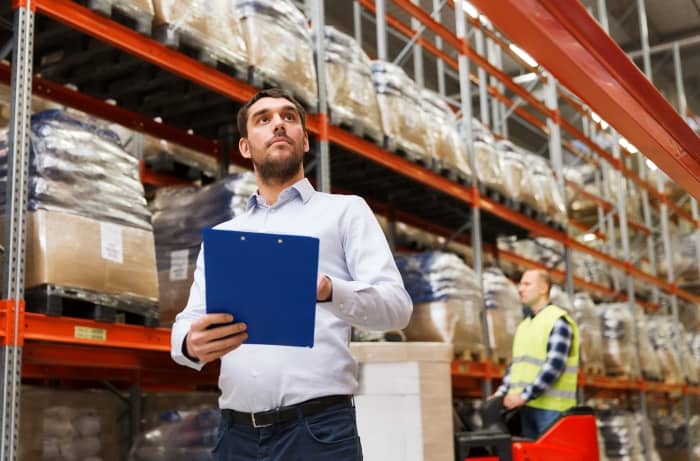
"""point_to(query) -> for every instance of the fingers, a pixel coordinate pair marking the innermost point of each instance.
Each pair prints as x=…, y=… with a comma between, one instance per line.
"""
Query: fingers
x=210, y=319
x=213, y=335
x=217, y=349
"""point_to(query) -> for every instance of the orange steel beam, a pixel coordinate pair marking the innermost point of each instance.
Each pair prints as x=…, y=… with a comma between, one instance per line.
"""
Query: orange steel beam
x=563, y=37
x=607, y=206
x=586, y=158
x=586, y=229
x=155, y=178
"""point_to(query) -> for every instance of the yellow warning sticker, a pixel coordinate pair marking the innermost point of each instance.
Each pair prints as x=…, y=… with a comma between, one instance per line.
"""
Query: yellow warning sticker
x=95, y=334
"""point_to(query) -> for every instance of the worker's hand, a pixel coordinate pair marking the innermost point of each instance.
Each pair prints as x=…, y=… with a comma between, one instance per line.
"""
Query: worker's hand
x=206, y=344
x=324, y=288
x=513, y=401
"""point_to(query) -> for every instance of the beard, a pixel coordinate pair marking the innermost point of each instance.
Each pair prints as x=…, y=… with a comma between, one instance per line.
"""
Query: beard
x=280, y=169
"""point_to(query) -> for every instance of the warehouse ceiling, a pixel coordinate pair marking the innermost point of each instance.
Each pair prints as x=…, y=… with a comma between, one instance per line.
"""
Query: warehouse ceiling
x=668, y=21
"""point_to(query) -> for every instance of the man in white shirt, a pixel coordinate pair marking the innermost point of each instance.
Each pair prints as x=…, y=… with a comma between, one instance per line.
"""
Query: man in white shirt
x=290, y=403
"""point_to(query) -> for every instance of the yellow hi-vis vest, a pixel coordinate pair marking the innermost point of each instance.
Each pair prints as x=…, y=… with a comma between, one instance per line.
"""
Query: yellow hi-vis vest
x=530, y=352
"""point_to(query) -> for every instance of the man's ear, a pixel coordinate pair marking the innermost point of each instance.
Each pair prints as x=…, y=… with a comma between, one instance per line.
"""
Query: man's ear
x=244, y=147
x=306, y=142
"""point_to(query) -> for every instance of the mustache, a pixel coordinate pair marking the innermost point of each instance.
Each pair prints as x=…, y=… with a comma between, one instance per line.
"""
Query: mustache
x=285, y=138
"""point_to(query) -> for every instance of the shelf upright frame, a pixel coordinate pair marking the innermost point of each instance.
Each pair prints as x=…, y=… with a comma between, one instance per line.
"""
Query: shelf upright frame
x=323, y=165
x=357, y=21
x=624, y=234
x=439, y=63
x=670, y=277
x=418, y=74
x=15, y=226
x=481, y=73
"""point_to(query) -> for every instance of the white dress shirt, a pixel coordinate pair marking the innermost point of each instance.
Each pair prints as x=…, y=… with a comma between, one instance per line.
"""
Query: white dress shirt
x=367, y=291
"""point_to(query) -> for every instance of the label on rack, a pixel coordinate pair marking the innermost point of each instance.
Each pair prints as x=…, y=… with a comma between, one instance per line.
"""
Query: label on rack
x=94, y=334
x=179, y=260
x=111, y=242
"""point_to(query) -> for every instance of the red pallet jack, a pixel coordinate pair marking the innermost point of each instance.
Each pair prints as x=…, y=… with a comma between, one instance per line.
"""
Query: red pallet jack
x=573, y=437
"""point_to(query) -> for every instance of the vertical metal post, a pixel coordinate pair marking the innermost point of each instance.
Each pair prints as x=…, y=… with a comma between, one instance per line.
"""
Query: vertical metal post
x=504, y=112
x=15, y=224
x=603, y=16
x=483, y=85
x=438, y=45
x=680, y=88
x=357, y=21
x=417, y=52
x=648, y=222
x=495, y=104
x=622, y=211
x=696, y=216
x=608, y=174
x=380, y=22
x=555, y=157
x=466, y=99
x=670, y=278
x=644, y=36
x=323, y=168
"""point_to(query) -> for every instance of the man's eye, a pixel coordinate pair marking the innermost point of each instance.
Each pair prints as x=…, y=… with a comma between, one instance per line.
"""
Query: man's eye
x=263, y=120
x=290, y=117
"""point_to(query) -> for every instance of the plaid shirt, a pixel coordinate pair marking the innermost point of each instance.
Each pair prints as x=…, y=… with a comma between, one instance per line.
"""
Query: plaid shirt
x=558, y=347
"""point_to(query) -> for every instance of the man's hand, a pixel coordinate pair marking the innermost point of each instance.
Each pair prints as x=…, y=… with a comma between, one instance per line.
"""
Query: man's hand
x=207, y=345
x=324, y=288
x=513, y=401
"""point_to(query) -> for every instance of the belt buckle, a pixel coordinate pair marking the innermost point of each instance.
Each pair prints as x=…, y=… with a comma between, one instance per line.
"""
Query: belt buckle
x=255, y=424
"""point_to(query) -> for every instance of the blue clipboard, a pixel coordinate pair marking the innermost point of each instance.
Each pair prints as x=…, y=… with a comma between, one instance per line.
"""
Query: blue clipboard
x=267, y=281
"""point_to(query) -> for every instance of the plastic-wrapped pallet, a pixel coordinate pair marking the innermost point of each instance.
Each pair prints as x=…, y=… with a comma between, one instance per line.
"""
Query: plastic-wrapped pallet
x=619, y=352
x=140, y=11
x=503, y=312
x=544, y=188
x=651, y=367
x=403, y=119
x=447, y=146
x=580, y=207
x=591, y=269
x=621, y=435
x=211, y=26
x=349, y=86
x=279, y=45
x=559, y=297
x=684, y=256
x=179, y=215
x=88, y=226
x=487, y=157
x=514, y=172
x=661, y=333
x=447, y=301
x=183, y=436
x=585, y=313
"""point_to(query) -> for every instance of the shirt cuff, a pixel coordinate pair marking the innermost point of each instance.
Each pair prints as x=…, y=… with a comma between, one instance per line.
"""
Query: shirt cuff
x=343, y=299
x=177, y=347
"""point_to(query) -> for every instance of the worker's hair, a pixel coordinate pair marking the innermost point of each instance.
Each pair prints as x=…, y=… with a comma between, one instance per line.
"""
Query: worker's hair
x=242, y=116
x=544, y=277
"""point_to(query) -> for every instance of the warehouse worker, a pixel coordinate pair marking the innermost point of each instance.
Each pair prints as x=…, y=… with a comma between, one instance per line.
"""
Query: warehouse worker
x=293, y=403
x=543, y=374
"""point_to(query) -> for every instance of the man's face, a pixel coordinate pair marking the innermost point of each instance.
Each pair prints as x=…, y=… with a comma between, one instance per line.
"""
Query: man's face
x=276, y=141
x=531, y=288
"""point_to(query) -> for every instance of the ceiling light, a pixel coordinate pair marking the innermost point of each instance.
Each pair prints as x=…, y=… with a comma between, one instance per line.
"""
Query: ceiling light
x=589, y=237
x=524, y=78
x=652, y=166
x=523, y=55
x=470, y=10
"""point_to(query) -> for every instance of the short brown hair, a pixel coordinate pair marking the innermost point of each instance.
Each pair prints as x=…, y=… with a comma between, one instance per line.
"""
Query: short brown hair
x=242, y=116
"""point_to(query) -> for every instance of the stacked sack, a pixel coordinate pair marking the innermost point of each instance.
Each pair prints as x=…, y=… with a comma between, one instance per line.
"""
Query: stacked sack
x=446, y=298
x=486, y=157
x=651, y=366
x=545, y=189
x=351, y=97
x=447, y=146
x=183, y=436
x=619, y=340
x=503, y=312
x=210, y=25
x=71, y=434
x=665, y=338
x=279, y=45
x=88, y=226
x=515, y=177
x=585, y=314
x=179, y=215
x=621, y=432
x=403, y=119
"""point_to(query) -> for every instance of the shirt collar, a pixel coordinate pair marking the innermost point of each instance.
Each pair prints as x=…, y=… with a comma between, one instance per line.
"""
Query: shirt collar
x=302, y=189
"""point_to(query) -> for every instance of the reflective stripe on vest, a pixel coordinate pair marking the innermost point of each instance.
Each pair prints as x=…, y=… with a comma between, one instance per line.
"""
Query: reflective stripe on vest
x=530, y=353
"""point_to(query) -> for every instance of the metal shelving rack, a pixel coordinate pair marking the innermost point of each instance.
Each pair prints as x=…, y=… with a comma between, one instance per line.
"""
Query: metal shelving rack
x=560, y=35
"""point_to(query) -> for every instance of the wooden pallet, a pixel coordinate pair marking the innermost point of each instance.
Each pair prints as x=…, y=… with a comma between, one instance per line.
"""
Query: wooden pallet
x=135, y=20
x=472, y=355
x=594, y=370
x=356, y=127
x=177, y=39
x=86, y=304
x=419, y=158
x=452, y=173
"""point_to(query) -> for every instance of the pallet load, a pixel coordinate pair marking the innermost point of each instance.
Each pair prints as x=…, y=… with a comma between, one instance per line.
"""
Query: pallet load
x=622, y=438
x=650, y=362
x=503, y=313
x=279, y=46
x=486, y=157
x=665, y=338
x=545, y=189
x=586, y=317
x=516, y=180
x=619, y=340
x=351, y=97
x=179, y=215
x=90, y=250
x=403, y=119
x=138, y=13
x=210, y=29
x=447, y=301
x=447, y=147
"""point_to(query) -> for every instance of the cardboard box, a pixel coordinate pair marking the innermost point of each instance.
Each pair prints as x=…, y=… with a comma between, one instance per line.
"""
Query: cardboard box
x=174, y=293
x=404, y=402
x=74, y=251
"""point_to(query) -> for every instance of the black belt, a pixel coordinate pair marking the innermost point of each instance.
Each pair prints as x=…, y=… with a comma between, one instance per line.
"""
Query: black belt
x=284, y=414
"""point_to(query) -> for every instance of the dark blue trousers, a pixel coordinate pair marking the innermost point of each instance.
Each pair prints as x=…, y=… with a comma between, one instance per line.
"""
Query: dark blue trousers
x=330, y=435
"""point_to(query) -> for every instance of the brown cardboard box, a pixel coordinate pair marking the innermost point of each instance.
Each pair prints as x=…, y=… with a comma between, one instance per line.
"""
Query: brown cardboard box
x=405, y=400
x=174, y=292
x=74, y=251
